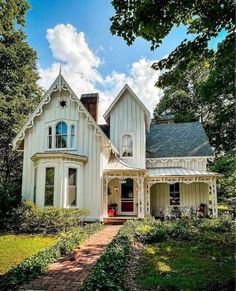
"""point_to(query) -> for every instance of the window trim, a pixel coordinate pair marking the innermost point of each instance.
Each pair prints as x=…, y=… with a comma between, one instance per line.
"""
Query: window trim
x=79, y=181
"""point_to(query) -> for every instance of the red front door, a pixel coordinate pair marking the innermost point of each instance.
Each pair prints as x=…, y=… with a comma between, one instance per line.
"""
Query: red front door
x=127, y=196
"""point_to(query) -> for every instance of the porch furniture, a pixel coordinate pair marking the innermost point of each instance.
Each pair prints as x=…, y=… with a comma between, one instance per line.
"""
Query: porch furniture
x=202, y=210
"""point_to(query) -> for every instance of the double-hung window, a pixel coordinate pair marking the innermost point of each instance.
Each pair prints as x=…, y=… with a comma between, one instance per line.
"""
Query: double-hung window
x=174, y=194
x=72, y=187
x=49, y=186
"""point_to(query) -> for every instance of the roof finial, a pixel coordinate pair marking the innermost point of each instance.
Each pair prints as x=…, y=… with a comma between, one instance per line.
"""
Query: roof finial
x=60, y=70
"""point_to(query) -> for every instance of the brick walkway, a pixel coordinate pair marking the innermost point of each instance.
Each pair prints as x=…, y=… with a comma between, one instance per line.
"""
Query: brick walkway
x=69, y=272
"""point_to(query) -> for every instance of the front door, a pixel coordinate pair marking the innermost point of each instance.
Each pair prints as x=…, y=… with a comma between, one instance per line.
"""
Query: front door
x=127, y=197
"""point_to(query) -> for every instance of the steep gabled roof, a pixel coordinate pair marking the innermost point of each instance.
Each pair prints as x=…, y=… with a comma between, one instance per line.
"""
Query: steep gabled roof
x=127, y=87
x=177, y=140
x=58, y=85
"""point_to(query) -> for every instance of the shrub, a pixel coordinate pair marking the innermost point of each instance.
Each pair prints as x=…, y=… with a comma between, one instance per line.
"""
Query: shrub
x=28, y=218
x=9, y=198
x=36, y=264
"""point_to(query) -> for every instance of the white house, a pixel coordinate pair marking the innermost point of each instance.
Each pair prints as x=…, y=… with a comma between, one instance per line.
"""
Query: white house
x=72, y=161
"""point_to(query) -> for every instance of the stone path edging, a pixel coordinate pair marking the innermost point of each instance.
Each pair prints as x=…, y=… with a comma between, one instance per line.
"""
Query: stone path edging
x=69, y=272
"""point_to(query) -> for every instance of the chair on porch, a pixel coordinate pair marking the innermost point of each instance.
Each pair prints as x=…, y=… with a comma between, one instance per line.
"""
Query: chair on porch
x=202, y=210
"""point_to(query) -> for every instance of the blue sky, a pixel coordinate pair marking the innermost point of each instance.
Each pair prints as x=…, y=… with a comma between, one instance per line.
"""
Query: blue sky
x=76, y=34
x=93, y=18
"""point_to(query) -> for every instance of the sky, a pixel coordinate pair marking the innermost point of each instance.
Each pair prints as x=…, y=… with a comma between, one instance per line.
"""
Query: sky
x=76, y=35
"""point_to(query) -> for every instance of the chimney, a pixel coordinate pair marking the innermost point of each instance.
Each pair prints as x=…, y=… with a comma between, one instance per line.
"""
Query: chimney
x=90, y=102
x=165, y=117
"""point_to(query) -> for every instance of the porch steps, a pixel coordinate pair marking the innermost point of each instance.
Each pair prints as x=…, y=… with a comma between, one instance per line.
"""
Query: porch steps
x=118, y=220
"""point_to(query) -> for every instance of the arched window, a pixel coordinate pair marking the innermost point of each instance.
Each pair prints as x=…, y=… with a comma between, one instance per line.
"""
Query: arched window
x=72, y=136
x=61, y=135
x=50, y=137
x=127, y=146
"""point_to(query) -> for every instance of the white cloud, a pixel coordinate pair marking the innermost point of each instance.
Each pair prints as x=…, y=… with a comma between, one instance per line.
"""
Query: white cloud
x=80, y=66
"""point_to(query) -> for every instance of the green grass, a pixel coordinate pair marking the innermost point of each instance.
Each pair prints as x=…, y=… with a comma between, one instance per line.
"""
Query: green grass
x=16, y=248
x=184, y=265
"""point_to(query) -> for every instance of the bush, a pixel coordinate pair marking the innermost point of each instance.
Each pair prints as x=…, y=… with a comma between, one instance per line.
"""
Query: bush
x=28, y=218
x=36, y=264
x=9, y=198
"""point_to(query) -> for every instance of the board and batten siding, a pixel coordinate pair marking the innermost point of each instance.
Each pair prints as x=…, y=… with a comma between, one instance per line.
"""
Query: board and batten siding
x=87, y=143
x=199, y=164
x=190, y=195
x=127, y=117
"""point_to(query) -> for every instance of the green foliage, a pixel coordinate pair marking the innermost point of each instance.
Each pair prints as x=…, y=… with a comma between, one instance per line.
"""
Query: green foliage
x=109, y=271
x=19, y=91
x=36, y=264
x=8, y=197
x=28, y=218
x=226, y=165
x=153, y=20
x=217, y=231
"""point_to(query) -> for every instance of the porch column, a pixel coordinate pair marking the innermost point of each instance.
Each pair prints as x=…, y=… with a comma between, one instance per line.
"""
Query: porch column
x=105, y=196
x=148, y=206
x=214, y=199
x=141, y=197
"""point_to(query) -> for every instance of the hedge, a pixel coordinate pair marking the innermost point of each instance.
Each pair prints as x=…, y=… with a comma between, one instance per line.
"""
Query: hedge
x=29, y=218
x=35, y=265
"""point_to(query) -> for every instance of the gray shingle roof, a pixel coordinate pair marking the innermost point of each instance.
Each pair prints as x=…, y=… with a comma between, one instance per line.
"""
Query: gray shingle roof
x=177, y=140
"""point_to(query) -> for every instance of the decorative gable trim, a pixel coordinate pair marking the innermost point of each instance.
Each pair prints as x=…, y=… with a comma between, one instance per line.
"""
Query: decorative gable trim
x=58, y=85
x=127, y=87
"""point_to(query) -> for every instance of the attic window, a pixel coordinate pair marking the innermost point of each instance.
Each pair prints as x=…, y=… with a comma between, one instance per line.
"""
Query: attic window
x=127, y=146
x=62, y=103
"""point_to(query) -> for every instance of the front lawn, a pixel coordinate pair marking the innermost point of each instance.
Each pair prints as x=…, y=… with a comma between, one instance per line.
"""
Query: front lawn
x=16, y=248
x=184, y=265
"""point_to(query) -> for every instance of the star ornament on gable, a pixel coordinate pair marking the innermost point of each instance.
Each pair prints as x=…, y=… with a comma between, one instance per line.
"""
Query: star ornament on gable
x=62, y=103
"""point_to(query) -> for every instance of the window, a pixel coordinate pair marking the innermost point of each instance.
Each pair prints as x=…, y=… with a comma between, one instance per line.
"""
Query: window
x=72, y=187
x=61, y=135
x=72, y=136
x=174, y=194
x=49, y=187
x=127, y=146
x=35, y=184
x=50, y=137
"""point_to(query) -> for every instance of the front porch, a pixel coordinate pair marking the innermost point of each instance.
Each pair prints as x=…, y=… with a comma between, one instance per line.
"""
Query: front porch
x=136, y=193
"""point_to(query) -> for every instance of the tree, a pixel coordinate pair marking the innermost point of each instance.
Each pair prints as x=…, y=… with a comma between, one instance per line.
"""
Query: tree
x=205, y=90
x=18, y=89
x=154, y=19
x=226, y=166
x=197, y=81
x=181, y=96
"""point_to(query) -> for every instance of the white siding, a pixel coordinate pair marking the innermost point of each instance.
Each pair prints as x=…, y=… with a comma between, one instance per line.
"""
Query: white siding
x=87, y=144
x=127, y=117
x=190, y=195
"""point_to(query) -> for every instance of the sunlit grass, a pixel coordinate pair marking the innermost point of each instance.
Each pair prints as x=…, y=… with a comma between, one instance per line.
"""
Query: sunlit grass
x=15, y=248
x=185, y=265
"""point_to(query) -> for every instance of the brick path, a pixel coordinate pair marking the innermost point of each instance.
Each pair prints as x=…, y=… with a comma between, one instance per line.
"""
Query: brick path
x=69, y=272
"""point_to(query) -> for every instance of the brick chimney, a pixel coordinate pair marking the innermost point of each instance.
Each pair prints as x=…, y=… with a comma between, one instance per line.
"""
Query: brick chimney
x=90, y=101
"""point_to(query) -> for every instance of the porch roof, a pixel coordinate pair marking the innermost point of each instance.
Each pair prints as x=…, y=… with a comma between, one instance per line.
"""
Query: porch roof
x=115, y=164
x=178, y=171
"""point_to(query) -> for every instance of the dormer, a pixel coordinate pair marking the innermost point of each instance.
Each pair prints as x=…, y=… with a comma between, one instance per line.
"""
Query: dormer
x=129, y=119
